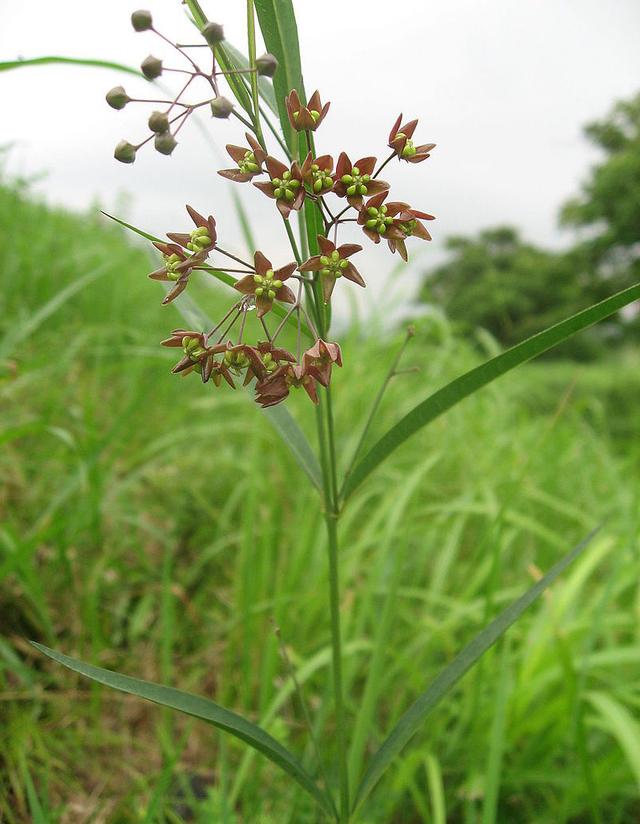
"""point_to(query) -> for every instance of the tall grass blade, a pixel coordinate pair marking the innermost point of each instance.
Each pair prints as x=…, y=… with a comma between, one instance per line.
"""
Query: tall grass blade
x=6, y=65
x=622, y=725
x=413, y=719
x=204, y=709
x=467, y=384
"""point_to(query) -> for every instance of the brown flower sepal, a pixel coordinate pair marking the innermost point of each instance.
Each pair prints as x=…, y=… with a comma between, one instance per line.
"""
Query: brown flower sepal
x=201, y=239
x=286, y=186
x=198, y=357
x=379, y=219
x=402, y=144
x=267, y=284
x=332, y=264
x=265, y=359
x=177, y=268
x=305, y=118
x=317, y=173
x=276, y=387
x=318, y=360
x=408, y=221
x=249, y=161
x=354, y=180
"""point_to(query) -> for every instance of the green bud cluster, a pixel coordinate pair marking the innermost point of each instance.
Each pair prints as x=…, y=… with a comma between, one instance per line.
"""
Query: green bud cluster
x=170, y=263
x=355, y=182
x=409, y=149
x=192, y=348
x=321, y=179
x=315, y=116
x=269, y=363
x=267, y=285
x=378, y=220
x=200, y=239
x=248, y=164
x=408, y=227
x=333, y=265
x=237, y=361
x=286, y=187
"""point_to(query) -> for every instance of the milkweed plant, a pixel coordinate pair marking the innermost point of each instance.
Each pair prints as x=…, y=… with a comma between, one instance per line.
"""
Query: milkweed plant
x=328, y=205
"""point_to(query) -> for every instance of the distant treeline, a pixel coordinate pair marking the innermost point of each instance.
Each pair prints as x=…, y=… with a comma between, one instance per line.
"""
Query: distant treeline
x=498, y=281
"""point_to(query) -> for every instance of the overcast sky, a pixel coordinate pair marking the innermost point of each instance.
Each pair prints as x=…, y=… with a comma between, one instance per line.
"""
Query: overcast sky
x=502, y=87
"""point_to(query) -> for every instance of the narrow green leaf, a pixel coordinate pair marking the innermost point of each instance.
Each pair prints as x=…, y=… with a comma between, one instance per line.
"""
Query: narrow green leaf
x=278, y=25
x=467, y=384
x=202, y=708
x=135, y=229
x=74, y=61
x=413, y=719
x=623, y=726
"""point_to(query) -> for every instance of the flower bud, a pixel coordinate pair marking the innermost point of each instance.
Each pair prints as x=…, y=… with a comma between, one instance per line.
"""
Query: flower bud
x=165, y=143
x=213, y=33
x=117, y=98
x=125, y=152
x=151, y=67
x=141, y=20
x=221, y=107
x=267, y=65
x=158, y=122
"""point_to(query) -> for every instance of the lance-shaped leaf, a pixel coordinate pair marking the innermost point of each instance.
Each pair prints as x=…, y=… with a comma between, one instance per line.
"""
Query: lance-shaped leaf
x=471, y=381
x=414, y=717
x=74, y=61
x=202, y=708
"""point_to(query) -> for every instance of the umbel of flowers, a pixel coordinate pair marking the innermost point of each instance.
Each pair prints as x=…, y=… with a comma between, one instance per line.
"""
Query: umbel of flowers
x=347, y=194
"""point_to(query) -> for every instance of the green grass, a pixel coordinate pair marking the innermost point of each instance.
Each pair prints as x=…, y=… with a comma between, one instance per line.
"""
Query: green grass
x=155, y=526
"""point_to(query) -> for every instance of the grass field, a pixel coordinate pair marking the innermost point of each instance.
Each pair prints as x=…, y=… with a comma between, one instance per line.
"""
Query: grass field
x=154, y=526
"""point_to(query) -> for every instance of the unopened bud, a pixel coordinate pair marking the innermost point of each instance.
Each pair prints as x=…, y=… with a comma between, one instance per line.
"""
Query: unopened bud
x=151, y=67
x=141, y=20
x=125, y=152
x=165, y=143
x=158, y=122
x=221, y=107
x=213, y=33
x=266, y=65
x=117, y=98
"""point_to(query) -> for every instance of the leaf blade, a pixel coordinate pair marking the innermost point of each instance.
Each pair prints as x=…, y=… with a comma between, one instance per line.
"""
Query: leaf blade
x=409, y=723
x=460, y=388
x=7, y=65
x=198, y=707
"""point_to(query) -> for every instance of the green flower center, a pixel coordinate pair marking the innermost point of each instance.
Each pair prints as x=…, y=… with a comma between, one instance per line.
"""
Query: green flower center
x=171, y=262
x=192, y=347
x=332, y=265
x=321, y=179
x=378, y=220
x=267, y=285
x=200, y=239
x=269, y=363
x=315, y=116
x=355, y=182
x=248, y=164
x=236, y=361
x=285, y=188
x=408, y=227
x=409, y=149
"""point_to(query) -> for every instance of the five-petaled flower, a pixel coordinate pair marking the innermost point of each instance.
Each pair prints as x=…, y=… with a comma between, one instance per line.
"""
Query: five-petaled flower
x=355, y=180
x=197, y=356
x=379, y=219
x=317, y=360
x=402, y=144
x=201, y=239
x=267, y=284
x=317, y=173
x=332, y=263
x=275, y=388
x=305, y=118
x=177, y=268
x=409, y=222
x=285, y=187
x=249, y=161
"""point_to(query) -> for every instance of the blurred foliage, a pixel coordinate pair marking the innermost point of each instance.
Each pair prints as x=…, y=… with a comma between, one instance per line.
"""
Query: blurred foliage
x=498, y=281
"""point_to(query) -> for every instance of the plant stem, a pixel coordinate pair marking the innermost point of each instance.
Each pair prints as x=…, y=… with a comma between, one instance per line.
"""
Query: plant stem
x=251, y=30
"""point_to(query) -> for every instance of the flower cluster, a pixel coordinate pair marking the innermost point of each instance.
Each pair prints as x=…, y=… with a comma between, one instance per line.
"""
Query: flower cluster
x=294, y=294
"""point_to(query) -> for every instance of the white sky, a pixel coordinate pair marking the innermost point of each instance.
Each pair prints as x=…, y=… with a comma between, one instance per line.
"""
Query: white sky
x=502, y=87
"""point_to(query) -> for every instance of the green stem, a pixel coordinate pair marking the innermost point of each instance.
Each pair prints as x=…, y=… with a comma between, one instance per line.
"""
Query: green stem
x=251, y=31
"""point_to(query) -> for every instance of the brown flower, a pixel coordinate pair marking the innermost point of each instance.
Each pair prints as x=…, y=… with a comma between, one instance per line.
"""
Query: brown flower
x=277, y=386
x=177, y=269
x=249, y=161
x=201, y=239
x=408, y=221
x=265, y=359
x=305, y=118
x=197, y=356
x=267, y=285
x=378, y=219
x=317, y=173
x=318, y=360
x=285, y=186
x=355, y=181
x=332, y=263
x=402, y=144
